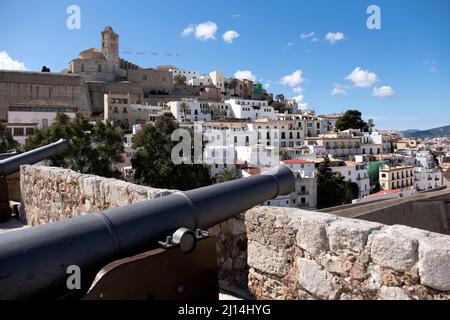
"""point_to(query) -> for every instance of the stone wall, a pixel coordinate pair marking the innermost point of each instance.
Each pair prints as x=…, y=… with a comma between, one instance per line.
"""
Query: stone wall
x=19, y=86
x=296, y=254
x=52, y=194
x=274, y=253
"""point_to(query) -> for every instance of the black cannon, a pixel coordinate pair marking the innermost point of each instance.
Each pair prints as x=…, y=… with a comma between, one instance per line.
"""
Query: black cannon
x=34, y=261
x=12, y=164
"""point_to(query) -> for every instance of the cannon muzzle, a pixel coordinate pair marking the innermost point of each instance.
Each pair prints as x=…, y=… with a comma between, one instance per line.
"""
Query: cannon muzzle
x=12, y=164
x=34, y=261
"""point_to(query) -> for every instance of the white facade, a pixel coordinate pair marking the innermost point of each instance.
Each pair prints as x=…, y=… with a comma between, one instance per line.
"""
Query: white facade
x=204, y=80
x=357, y=173
x=305, y=193
x=186, y=73
x=252, y=109
x=218, y=79
x=428, y=179
x=190, y=110
x=23, y=121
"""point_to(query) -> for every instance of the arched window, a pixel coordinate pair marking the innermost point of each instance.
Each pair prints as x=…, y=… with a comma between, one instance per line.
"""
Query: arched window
x=82, y=67
x=99, y=68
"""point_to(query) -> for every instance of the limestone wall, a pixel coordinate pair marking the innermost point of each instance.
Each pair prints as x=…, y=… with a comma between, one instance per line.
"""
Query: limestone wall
x=274, y=253
x=52, y=194
x=296, y=254
x=16, y=86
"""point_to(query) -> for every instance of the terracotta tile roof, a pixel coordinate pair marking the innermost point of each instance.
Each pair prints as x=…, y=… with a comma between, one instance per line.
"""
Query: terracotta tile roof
x=253, y=171
x=384, y=192
x=297, y=161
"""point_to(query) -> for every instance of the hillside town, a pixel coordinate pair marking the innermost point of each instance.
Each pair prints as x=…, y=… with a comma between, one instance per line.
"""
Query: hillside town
x=245, y=129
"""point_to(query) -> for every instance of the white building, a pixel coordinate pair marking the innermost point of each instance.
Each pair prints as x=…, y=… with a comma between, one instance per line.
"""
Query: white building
x=355, y=172
x=305, y=193
x=428, y=179
x=185, y=73
x=218, y=79
x=220, y=110
x=204, y=80
x=252, y=109
x=23, y=120
x=189, y=110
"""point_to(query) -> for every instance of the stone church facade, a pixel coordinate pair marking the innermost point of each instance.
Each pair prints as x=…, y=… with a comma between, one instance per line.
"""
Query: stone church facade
x=94, y=73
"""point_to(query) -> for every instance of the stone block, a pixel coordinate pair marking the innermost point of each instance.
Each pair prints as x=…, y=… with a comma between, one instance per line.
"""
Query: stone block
x=312, y=234
x=393, y=249
x=315, y=280
x=352, y=235
x=269, y=260
x=434, y=262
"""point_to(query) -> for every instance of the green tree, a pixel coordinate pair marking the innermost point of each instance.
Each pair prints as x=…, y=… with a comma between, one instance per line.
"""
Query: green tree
x=7, y=143
x=93, y=148
x=351, y=119
x=233, y=84
x=280, y=97
x=332, y=189
x=228, y=174
x=153, y=163
x=179, y=80
x=258, y=90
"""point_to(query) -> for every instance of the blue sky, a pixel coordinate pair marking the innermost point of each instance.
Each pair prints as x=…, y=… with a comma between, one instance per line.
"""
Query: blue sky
x=406, y=62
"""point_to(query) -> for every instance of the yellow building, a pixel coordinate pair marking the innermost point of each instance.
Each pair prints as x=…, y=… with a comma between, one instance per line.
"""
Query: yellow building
x=392, y=178
x=119, y=109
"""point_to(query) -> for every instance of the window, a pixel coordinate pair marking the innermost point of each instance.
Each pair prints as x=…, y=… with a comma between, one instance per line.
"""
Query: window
x=18, y=131
x=44, y=124
x=29, y=131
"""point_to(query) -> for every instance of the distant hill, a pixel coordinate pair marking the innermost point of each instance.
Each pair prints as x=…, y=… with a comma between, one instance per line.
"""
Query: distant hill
x=431, y=133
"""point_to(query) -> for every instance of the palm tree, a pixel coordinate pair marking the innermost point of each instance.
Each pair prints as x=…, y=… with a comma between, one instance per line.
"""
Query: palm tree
x=184, y=109
x=228, y=174
x=232, y=85
x=370, y=124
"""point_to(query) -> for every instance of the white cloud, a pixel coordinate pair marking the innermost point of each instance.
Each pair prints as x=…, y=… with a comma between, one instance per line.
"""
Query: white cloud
x=315, y=39
x=245, y=75
x=229, y=36
x=298, y=90
x=7, y=63
x=267, y=85
x=203, y=31
x=362, y=78
x=334, y=37
x=236, y=16
x=206, y=31
x=306, y=35
x=188, y=31
x=293, y=80
x=290, y=44
x=432, y=69
x=298, y=98
x=338, y=89
x=383, y=91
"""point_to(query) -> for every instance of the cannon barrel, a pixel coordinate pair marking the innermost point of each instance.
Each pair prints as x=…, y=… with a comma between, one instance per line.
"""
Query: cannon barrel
x=34, y=261
x=12, y=164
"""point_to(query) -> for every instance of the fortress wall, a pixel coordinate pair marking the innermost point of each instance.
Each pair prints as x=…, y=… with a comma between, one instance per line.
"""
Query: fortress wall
x=274, y=253
x=296, y=254
x=18, y=87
